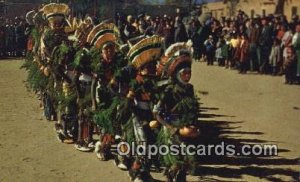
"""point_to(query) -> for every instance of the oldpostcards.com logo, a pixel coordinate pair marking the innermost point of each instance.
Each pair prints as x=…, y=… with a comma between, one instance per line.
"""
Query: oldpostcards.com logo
x=222, y=149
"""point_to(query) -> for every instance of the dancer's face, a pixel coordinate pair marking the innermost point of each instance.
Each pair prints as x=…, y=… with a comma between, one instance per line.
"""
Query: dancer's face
x=185, y=75
x=108, y=52
x=148, y=69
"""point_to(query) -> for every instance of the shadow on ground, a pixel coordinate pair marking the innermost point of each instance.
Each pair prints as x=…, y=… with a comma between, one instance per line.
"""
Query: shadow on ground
x=233, y=167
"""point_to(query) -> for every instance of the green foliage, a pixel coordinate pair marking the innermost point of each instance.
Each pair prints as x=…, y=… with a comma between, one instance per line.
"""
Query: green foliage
x=36, y=80
x=49, y=39
x=128, y=131
x=66, y=100
x=106, y=118
x=189, y=107
x=164, y=138
x=95, y=55
x=59, y=53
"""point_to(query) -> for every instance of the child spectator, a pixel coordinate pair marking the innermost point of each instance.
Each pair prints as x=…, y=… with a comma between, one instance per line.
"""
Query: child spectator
x=218, y=54
x=226, y=51
x=209, y=47
x=275, y=56
x=289, y=65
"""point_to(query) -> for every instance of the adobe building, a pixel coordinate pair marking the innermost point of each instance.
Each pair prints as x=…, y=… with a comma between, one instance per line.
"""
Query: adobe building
x=253, y=7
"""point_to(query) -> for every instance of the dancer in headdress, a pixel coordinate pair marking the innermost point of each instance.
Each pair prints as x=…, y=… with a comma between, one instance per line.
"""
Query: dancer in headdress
x=67, y=58
x=108, y=61
x=143, y=57
x=54, y=35
x=177, y=110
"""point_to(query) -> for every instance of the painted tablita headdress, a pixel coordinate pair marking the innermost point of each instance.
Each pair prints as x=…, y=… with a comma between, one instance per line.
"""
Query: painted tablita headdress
x=102, y=34
x=145, y=51
x=176, y=57
x=56, y=12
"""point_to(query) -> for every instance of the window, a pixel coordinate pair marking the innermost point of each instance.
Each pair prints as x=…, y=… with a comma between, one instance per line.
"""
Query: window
x=252, y=13
x=294, y=10
x=263, y=12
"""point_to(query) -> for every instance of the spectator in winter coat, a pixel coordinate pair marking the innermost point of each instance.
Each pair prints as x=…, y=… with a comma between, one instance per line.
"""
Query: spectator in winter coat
x=180, y=32
x=194, y=34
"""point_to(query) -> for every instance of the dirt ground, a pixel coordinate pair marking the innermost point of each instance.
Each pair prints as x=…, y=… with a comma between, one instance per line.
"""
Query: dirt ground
x=237, y=109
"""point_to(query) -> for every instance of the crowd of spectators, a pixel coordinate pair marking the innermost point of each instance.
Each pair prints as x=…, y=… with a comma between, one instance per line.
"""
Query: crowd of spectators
x=267, y=45
x=13, y=37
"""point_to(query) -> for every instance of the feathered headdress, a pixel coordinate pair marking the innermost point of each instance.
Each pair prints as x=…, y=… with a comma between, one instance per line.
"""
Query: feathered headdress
x=55, y=12
x=102, y=34
x=145, y=51
x=55, y=9
x=175, y=55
